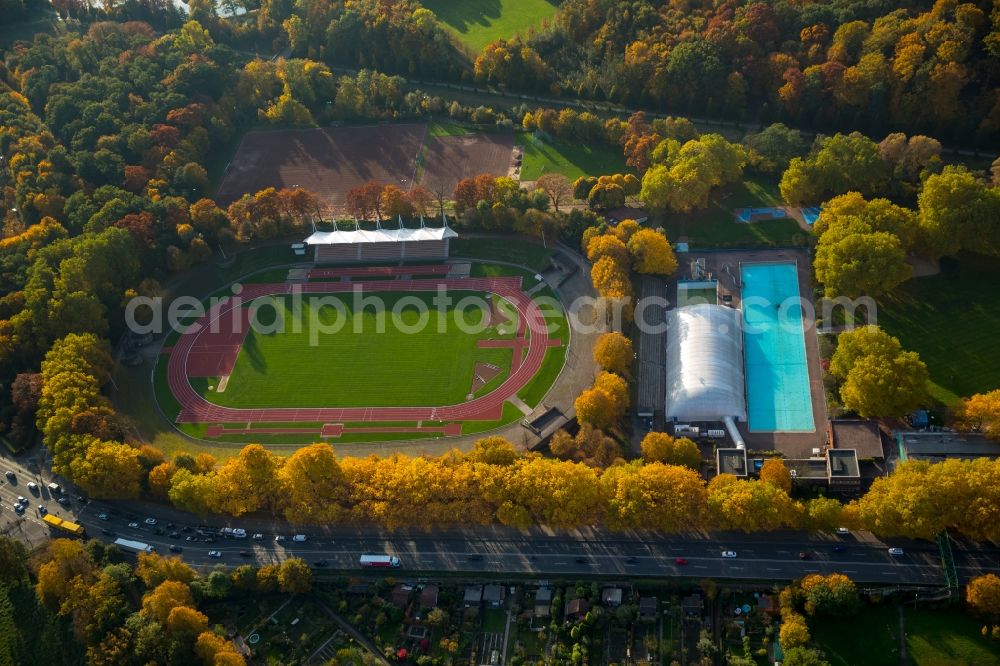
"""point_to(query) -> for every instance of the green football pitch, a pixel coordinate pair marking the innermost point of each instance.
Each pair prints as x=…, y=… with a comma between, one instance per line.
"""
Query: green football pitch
x=363, y=365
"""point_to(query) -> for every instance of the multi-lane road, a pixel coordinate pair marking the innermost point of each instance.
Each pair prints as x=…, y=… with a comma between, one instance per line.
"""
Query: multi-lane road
x=496, y=551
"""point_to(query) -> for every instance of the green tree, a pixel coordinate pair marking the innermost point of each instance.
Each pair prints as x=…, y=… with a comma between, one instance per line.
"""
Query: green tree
x=879, y=378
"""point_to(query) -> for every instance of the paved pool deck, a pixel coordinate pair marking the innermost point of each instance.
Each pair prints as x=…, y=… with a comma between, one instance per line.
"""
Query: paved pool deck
x=724, y=265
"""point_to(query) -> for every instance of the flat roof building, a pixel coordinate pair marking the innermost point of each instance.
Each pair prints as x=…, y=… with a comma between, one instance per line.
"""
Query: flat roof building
x=939, y=446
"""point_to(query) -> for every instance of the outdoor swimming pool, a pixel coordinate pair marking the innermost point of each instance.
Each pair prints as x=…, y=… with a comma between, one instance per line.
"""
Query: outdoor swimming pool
x=774, y=350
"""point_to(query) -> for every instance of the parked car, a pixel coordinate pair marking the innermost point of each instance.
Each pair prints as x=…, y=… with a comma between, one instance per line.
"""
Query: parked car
x=10, y=475
x=299, y=537
x=174, y=535
x=189, y=538
x=174, y=548
x=258, y=536
x=680, y=561
x=103, y=516
x=21, y=500
x=32, y=486
x=19, y=509
x=896, y=552
x=64, y=501
x=42, y=510
x=150, y=521
x=215, y=553
x=133, y=526
x=278, y=537
x=729, y=554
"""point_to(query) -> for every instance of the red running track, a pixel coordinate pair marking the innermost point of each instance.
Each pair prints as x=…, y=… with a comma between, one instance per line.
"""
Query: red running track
x=362, y=271
x=195, y=409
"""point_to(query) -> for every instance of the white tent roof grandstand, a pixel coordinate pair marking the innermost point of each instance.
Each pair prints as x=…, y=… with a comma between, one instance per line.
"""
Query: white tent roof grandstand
x=401, y=235
x=705, y=364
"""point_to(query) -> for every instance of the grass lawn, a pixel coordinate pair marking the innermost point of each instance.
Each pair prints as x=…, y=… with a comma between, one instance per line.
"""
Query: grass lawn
x=947, y=638
x=868, y=638
x=513, y=250
x=479, y=22
x=949, y=320
x=358, y=366
x=716, y=227
x=570, y=158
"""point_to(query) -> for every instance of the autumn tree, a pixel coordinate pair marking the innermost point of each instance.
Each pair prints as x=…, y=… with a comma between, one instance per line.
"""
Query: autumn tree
x=153, y=569
x=750, y=505
x=662, y=447
x=589, y=446
x=312, y=485
x=295, y=576
x=613, y=352
x=365, y=200
x=960, y=211
x=836, y=165
x=654, y=496
x=832, y=594
x=879, y=378
x=982, y=593
x=794, y=631
x=774, y=472
x=604, y=404
x=981, y=412
x=557, y=186
x=164, y=598
x=651, y=253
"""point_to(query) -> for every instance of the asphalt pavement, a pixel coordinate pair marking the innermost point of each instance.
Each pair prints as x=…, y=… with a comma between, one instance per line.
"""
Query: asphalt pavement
x=493, y=550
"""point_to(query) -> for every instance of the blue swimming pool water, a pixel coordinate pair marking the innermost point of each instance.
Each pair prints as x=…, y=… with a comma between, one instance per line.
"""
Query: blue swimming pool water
x=774, y=350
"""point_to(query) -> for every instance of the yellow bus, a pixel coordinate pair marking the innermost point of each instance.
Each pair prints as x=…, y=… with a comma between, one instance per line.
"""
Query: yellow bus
x=64, y=525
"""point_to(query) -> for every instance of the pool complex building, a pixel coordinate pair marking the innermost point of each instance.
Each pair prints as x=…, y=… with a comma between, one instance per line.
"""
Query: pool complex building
x=727, y=365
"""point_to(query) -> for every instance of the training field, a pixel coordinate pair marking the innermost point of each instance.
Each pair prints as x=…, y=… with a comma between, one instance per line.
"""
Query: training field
x=448, y=159
x=359, y=366
x=479, y=22
x=326, y=161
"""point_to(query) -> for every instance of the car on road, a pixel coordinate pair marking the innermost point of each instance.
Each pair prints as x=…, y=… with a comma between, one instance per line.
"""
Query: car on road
x=159, y=530
x=729, y=554
x=843, y=531
x=133, y=526
x=805, y=555
x=246, y=553
x=174, y=535
x=186, y=528
x=42, y=510
x=190, y=538
x=838, y=548
x=10, y=475
x=278, y=537
x=103, y=516
x=680, y=561
x=215, y=553
x=63, y=501
x=208, y=540
x=474, y=558
x=32, y=486
x=150, y=521
x=258, y=537
x=106, y=532
x=631, y=560
x=320, y=563
x=299, y=537
x=581, y=560
x=896, y=552
x=174, y=548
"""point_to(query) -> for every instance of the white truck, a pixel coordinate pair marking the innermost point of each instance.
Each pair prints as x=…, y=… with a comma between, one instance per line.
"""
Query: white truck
x=130, y=546
x=379, y=561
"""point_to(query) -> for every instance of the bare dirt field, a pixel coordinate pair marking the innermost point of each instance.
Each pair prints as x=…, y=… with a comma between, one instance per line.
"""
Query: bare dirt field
x=326, y=161
x=448, y=159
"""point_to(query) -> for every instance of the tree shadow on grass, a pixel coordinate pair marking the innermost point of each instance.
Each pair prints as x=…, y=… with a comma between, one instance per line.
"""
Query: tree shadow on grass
x=462, y=15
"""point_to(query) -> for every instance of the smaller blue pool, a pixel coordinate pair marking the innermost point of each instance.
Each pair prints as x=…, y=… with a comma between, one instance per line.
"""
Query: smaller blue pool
x=774, y=350
x=810, y=215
